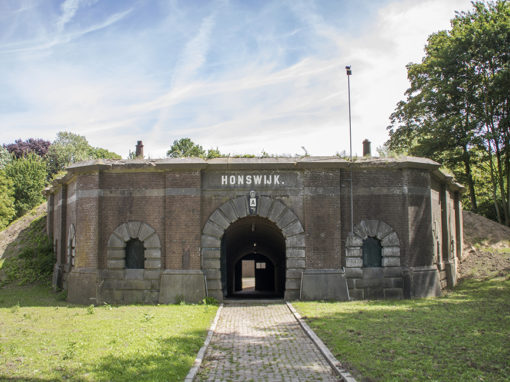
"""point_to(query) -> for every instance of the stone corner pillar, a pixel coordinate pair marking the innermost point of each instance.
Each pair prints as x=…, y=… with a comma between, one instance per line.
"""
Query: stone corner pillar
x=83, y=287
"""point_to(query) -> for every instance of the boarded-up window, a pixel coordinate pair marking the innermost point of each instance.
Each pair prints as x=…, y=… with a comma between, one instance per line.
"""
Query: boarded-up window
x=135, y=254
x=372, y=252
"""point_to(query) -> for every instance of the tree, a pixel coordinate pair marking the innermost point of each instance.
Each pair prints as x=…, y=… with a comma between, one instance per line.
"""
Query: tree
x=28, y=175
x=21, y=148
x=99, y=153
x=7, y=210
x=5, y=157
x=185, y=147
x=69, y=148
x=214, y=153
x=457, y=107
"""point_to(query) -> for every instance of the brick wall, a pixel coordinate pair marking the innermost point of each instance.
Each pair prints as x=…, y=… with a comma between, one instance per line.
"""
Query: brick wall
x=130, y=196
x=87, y=224
x=182, y=216
x=420, y=250
x=177, y=202
x=378, y=194
x=322, y=221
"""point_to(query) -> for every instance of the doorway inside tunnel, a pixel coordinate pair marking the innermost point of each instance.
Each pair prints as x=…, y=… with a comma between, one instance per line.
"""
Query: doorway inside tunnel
x=253, y=259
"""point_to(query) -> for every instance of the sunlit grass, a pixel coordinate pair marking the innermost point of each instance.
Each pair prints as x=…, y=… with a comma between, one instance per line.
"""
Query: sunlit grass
x=44, y=338
x=464, y=336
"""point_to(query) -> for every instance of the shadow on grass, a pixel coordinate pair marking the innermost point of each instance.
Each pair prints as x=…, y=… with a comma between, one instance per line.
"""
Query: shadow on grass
x=33, y=295
x=169, y=360
x=24, y=379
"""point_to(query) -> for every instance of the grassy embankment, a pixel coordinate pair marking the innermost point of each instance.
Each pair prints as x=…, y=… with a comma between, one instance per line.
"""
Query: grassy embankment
x=44, y=338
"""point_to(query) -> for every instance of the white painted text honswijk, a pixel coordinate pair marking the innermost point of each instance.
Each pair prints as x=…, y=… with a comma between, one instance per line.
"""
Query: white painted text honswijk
x=256, y=180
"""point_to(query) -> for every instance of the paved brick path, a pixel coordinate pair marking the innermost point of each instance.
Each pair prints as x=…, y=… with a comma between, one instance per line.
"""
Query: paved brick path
x=262, y=343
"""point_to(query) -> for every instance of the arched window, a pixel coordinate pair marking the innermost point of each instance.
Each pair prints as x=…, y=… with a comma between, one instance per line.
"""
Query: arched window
x=145, y=254
x=135, y=254
x=372, y=252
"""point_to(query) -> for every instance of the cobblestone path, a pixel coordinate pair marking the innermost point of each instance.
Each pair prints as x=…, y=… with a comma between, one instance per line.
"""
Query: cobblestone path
x=262, y=343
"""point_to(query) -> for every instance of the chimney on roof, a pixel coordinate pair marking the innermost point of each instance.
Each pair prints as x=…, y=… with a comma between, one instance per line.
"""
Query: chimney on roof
x=366, y=148
x=139, y=150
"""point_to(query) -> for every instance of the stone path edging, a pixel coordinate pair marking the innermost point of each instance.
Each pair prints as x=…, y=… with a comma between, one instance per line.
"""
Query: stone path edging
x=200, y=356
x=333, y=362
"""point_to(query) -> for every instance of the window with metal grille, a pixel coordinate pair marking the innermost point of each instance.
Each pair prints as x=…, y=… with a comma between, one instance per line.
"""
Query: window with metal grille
x=372, y=252
x=135, y=254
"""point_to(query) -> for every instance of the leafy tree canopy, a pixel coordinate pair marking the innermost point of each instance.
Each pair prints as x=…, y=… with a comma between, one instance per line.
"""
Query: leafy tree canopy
x=32, y=145
x=28, y=176
x=7, y=210
x=70, y=148
x=457, y=107
x=100, y=153
x=185, y=147
x=5, y=157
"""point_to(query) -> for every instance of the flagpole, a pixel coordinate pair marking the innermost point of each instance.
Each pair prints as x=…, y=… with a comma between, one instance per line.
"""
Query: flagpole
x=349, y=72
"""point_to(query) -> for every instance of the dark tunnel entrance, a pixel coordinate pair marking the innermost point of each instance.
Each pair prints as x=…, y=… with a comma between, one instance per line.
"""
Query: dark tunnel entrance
x=253, y=259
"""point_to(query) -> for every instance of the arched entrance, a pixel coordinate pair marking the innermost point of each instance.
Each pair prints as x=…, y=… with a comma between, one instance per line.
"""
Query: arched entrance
x=253, y=259
x=273, y=216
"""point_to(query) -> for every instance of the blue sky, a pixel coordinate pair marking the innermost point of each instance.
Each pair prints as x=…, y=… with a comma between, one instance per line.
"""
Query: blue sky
x=240, y=75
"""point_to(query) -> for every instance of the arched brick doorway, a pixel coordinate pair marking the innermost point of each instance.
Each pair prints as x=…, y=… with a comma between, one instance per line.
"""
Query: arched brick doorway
x=275, y=218
x=256, y=246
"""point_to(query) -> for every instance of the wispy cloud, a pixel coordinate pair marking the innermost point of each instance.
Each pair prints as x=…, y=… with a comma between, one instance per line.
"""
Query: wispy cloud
x=194, y=54
x=49, y=41
x=188, y=64
x=69, y=9
x=241, y=76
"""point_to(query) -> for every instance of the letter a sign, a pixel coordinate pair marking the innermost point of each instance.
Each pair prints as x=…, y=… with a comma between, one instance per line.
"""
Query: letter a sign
x=252, y=203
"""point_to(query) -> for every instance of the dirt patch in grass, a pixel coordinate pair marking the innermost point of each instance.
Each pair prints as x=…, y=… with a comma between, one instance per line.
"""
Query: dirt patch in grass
x=485, y=263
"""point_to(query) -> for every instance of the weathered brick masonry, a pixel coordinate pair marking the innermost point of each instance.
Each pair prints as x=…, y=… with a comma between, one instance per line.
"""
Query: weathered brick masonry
x=194, y=221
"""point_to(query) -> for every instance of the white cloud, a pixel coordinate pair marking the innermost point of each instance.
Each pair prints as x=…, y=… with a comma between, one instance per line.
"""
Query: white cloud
x=69, y=9
x=257, y=101
x=380, y=54
x=44, y=42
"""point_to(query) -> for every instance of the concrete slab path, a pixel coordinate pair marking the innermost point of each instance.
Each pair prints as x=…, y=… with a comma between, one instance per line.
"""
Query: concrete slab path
x=262, y=343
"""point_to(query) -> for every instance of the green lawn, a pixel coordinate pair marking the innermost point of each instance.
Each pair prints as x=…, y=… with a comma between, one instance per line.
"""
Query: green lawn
x=43, y=338
x=463, y=336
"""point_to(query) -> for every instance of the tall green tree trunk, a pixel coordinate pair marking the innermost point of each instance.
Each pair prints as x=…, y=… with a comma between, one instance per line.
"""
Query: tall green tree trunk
x=469, y=176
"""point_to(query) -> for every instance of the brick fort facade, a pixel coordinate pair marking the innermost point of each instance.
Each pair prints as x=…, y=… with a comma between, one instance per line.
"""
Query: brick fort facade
x=162, y=231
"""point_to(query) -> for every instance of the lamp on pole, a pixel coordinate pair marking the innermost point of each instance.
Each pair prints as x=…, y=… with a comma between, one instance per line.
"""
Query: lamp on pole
x=349, y=72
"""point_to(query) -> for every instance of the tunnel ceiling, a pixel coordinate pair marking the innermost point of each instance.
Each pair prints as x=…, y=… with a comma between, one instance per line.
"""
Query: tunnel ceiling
x=241, y=235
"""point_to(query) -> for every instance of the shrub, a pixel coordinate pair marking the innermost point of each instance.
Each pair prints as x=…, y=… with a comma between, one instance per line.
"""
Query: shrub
x=28, y=175
x=7, y=210
x=21, y=148
x=5, y=157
